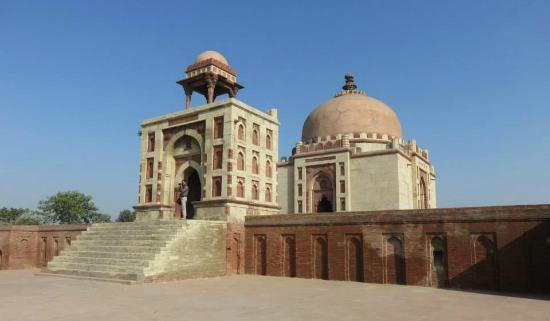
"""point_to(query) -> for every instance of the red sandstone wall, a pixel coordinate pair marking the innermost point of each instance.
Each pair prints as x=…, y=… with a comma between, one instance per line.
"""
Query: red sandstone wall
x=28, y=246
x=495, y=248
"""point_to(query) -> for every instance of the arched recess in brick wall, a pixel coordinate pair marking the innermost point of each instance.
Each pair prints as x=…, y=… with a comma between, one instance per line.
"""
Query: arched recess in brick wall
x=44, y=252
x=56, y=247
x=485, y=263
x=289, y=256
x=438, y=260
x=354, y=264
x=320, y=258
x=1, y=259
x=260, y=255
x=234, y=254
x=394, y=261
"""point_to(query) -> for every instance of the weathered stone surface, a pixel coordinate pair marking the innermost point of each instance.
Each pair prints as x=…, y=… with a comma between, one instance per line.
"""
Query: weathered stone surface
x=145, y=251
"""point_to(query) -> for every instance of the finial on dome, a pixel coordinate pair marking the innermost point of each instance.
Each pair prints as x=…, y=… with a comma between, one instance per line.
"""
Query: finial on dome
x=350, y=85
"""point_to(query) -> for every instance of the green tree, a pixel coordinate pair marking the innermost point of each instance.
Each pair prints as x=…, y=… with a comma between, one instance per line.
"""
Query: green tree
x=71, y=207
x=126, y=216
x=30, y=218
x=99, y=218
x=10, y=215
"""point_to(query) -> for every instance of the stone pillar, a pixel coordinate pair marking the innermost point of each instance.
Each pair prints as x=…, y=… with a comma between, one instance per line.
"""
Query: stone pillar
x=188, y=93
x=211, y=81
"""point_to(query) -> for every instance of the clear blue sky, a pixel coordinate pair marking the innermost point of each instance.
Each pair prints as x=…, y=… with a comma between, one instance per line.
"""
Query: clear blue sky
x=470, y=81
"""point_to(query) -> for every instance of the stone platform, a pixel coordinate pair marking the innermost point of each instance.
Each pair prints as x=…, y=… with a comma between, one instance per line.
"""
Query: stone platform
x=145, y=251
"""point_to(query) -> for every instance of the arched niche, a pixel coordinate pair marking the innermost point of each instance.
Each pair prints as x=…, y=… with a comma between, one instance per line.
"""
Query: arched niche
x=438, y=261
x=289, y=256
x=395, y=261
x=485, y=263
x=320, y=258
x=354, y=262
x=185, y=149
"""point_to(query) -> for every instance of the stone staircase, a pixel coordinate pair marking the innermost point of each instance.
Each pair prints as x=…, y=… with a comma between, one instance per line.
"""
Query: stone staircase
x=144, y=251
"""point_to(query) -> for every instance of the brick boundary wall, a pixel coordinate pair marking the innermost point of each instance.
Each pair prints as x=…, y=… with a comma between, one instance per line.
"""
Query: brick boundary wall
x=31, y=246
x=235, y=253
x=500, y=248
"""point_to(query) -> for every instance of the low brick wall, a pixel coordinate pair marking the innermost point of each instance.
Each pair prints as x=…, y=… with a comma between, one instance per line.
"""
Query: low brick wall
x=503, y=248
x=29, y=246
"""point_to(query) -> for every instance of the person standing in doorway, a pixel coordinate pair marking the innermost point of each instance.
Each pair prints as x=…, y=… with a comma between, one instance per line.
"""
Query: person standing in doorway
x=184, y=191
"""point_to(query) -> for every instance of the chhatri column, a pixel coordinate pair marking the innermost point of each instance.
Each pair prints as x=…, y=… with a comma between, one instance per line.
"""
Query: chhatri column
x=188, y=93
x=211, y=80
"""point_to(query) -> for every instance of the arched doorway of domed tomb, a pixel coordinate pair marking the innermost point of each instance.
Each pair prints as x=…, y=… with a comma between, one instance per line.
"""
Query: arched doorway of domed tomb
x=187, y=160
x=323, y=191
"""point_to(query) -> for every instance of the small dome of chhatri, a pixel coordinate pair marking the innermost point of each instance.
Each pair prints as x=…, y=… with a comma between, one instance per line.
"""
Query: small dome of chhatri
x=210, y=54
x=351, y=111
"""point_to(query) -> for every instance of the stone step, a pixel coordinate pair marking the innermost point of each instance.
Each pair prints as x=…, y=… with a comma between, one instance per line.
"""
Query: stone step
x=101, y=260
x=120, y=255
x=112, y=235
x=133, y=231
x=136, y=227
x=115, y=248
x=109, y=236
x=118, y=242
x=87, y=267
x=144, y=223
x=96, y=274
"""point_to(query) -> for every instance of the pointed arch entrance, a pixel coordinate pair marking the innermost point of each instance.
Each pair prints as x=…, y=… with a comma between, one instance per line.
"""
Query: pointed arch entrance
x=187, y=159
x=195, y=188
x=322, y=190
x=192, y=178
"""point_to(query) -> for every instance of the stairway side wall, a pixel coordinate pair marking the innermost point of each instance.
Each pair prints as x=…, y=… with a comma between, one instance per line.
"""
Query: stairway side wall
x=198, y=250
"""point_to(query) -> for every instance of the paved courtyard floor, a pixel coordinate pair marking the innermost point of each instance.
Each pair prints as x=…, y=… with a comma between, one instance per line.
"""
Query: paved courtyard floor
x=24, y=296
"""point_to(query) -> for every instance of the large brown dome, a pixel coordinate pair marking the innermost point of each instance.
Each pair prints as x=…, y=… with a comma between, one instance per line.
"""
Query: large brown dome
x=351, y=111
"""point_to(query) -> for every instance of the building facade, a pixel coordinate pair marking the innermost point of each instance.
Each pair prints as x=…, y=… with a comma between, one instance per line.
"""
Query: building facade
x=226, y=151
x=352, y=157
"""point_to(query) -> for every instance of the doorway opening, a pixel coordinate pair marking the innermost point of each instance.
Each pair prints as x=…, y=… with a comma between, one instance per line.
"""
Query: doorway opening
x=192, y=179
x=323, y=194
